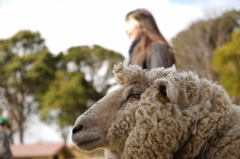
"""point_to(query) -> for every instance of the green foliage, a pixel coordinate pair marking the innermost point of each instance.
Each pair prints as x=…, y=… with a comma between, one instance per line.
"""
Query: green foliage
x=42, y=70
x=27, y=42
x=93, y=56
x=67, y=98
x=226, y=62
x=96, y=62
x=31, y=72
x=24, y=62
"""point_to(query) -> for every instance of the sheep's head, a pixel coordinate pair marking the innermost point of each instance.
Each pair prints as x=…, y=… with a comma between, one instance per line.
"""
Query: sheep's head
x=91, y=128
x=112, y=118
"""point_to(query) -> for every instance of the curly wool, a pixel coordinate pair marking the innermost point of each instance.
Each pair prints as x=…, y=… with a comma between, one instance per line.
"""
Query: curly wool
x=192, y=118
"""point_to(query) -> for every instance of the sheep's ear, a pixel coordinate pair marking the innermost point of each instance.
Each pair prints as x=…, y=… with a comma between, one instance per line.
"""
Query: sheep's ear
x=167, y=90
x=125, y=74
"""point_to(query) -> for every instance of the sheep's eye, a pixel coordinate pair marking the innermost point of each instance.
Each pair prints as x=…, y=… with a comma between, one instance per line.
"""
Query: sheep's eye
x=136, y=94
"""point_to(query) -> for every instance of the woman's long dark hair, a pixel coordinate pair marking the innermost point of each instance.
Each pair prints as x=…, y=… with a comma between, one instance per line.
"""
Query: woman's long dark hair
x=152, y=34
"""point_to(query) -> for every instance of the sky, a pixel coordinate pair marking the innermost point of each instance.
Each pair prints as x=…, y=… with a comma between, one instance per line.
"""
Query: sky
x=68, y=23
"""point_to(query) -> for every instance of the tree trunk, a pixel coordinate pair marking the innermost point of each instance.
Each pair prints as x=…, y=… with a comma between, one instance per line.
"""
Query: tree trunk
x=21, y=131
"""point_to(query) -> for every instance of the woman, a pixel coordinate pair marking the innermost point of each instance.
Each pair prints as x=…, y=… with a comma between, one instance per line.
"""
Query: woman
x=149, y=48
x=5, y=151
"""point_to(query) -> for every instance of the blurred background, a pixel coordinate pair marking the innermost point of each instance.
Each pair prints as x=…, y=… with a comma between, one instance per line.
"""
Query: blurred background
x=56, y=59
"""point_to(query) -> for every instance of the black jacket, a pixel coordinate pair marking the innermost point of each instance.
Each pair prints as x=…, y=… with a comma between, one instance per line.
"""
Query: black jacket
x=156, y=56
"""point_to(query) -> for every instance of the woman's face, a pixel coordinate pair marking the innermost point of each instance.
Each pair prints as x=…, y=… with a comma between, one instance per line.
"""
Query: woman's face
x=134, y=30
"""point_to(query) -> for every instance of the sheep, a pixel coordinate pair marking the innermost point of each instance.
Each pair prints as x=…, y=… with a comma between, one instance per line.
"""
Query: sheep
x=163, y=114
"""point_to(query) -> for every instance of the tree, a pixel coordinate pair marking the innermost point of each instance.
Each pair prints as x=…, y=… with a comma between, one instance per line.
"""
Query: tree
x=96, y=62
x=67, y=98
x=195, y=46
x=82, y=78
x=26, y=69
x=226, y=62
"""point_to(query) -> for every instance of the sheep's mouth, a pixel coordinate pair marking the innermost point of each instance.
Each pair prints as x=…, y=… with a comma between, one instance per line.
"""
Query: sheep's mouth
x=84, y=143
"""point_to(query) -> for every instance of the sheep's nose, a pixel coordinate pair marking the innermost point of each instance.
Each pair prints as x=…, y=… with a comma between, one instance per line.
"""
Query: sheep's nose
x=77, y=128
